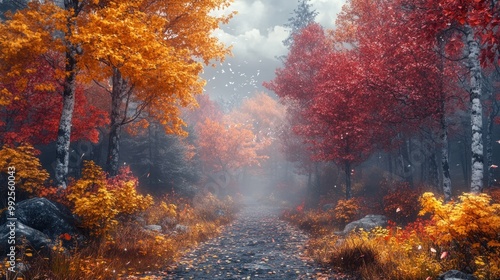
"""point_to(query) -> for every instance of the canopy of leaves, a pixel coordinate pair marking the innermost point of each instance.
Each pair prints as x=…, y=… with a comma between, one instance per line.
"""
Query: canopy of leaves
x=227, y=146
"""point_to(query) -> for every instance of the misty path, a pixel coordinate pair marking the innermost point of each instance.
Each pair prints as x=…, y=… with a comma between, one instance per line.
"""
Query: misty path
x=257, y=245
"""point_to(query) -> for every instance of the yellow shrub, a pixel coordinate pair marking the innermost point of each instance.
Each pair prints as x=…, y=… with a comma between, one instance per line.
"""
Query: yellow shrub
x=99, y=201
x=127, y=200
x=470, y=228
x=29, y=174
x=162, y=213
x=92, y=200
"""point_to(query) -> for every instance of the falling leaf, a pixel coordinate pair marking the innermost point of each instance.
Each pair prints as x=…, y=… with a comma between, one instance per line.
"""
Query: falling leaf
x=444, y=254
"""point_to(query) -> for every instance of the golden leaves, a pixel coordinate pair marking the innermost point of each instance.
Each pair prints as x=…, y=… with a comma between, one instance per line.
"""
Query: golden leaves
x=30, y=176
x=29, y=33
x=99, y=201
x=157, y=46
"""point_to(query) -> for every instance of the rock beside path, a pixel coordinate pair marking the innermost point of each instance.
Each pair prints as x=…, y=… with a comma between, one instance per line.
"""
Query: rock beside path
x=367, y=223
x=257, y=245
x=456, y=275
x=41, y=222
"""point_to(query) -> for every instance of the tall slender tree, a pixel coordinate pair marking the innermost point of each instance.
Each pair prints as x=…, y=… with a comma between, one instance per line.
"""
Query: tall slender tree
x=303, y=15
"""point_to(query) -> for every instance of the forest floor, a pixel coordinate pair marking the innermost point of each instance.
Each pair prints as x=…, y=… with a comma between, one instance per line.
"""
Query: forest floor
x=256, y=245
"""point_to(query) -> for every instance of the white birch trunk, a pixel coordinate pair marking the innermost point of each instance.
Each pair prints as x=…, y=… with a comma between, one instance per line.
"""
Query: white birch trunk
x=476, y=83
x=64, y=131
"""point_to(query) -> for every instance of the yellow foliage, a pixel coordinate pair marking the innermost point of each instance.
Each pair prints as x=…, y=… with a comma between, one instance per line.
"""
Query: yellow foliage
x=127, y=200
x=98, y=203
x=29, y=174
x=474, y=216
x=470, y=227
x=93, y=202
x=28, y=34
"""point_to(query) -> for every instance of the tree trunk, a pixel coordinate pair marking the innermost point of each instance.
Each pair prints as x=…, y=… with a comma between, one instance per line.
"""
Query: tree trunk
x=348, y=191
x=309, y=179
x=433, y=171
x=465, y=158
x=489, y=141
x=317, y=183
x=443, y=125
x=69, y=88
x=119, y=86
x=476, y=83
x=406, y=167
x=444, y=159
x=389, y=165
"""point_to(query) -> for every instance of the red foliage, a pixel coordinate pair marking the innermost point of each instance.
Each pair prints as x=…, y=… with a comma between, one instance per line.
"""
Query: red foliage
x=416, y=228
x=55, y=194
x=401, y=204
x=124, y=175
x=35, y=109
x=296, y=80
x=482, y=16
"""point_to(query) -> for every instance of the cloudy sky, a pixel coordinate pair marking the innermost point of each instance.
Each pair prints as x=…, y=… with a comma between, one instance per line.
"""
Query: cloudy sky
x=256, y=34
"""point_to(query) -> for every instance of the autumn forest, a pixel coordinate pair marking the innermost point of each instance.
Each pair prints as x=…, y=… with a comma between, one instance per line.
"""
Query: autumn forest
x=370, y=154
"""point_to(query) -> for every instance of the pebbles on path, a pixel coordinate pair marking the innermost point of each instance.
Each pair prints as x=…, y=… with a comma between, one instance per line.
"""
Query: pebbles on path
x=257, y=245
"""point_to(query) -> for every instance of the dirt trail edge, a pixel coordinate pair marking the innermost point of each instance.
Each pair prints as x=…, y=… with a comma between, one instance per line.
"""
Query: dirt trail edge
x=257, y=245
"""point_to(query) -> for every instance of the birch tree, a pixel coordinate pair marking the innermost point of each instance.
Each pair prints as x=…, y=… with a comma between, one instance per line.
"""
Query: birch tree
x=33, y=32
x=478, y=22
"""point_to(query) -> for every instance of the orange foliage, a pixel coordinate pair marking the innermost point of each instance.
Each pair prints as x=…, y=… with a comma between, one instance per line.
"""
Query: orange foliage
x=224, y=146
x=156, y=50
x=263, y=113
x=346, y=211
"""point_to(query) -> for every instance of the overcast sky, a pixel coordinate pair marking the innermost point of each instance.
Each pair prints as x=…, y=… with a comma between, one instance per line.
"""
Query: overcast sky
x=256, y=34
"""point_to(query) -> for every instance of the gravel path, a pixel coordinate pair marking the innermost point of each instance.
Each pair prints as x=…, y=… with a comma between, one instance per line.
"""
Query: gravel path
x=257, y=245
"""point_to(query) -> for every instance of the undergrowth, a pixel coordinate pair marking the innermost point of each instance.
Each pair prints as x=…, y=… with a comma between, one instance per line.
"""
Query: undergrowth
x=461, y=235
x=124, y=246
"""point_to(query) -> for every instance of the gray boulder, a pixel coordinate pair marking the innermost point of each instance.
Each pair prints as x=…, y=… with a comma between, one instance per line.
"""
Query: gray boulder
x=46, y=216
x=367, y=223
x=153, y=228
x=456, y=275
x=181, y=228
x=37, y=239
